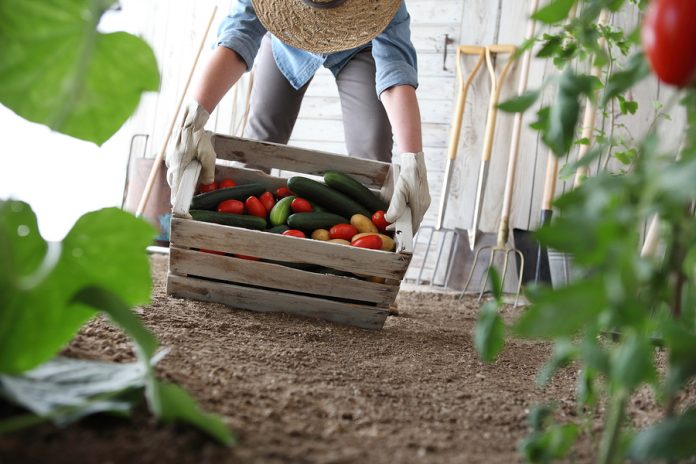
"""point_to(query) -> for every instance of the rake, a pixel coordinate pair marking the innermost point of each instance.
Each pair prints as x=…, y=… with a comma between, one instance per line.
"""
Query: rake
x=445, y=233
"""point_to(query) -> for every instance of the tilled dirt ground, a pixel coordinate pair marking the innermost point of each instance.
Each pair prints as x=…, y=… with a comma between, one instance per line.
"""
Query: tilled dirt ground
x=299, y=390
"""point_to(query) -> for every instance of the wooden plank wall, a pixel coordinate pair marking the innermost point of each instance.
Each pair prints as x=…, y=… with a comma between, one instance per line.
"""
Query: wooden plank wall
x=176, y=33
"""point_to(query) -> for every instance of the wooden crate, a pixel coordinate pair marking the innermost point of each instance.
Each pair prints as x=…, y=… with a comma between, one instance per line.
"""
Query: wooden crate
x=265, y=286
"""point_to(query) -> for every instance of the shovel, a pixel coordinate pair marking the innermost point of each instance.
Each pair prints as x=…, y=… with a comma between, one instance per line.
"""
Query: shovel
x=496, y=87
x=444, y=233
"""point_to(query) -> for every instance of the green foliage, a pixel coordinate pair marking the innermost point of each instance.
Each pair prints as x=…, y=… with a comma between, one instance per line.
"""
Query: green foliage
x=608, y=320
x=489, y=331
x=104, y=248
x=57, y=69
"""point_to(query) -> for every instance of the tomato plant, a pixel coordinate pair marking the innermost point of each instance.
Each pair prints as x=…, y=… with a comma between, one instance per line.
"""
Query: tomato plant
x=669, y=35
x=267, y=201
x=231, y=206
x=254, y=207
x=294, y=233
x=373, y=242
x=226, y=183
x=343, y=231
x=300, y=205
x=208, y=187
x=379, y=220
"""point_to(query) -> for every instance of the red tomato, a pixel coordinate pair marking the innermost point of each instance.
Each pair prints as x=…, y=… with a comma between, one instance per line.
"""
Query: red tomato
x=208, y=187
x=250, y=258
x=213, y=252
x=294, y=233
x=379, y=220
x=227, y=183
x=231, y=206
x=282, y=192
x=300, y=205
x=255, y=207
x=373, y=242
x=343, y=231
x=669, y=35
x=267, y=201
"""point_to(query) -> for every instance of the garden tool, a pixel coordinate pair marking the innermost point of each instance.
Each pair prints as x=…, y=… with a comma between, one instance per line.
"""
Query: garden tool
x=496, y=87
x=444, y=233
x=501, y=245
x=537, y=260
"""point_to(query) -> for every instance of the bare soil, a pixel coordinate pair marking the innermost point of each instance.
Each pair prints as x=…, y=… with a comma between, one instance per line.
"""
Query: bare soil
x=306, y=391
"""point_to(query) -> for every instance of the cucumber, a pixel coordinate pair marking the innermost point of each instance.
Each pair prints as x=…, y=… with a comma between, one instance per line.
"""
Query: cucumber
x=227, y=219
x=210, y=200
x=326, y=197
x=314, y=221
x=280, y=211
x=355, y=190
x=278, y=229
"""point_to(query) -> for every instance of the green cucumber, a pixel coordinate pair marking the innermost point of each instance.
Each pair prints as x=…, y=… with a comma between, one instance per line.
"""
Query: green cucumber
x=278, y=229
x=280, y=211
x=355, y=190
x=326, y=197
x=210, y=200
x=227, y=219
x=313, y=221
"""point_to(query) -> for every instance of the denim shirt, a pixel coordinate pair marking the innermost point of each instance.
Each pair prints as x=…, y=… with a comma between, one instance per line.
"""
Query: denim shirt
x=394, y=54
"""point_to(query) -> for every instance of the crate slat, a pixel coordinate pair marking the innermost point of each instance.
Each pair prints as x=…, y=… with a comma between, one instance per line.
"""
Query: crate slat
x=272, y=301
x=187, y=233
x=274, y=276
x=270, y=155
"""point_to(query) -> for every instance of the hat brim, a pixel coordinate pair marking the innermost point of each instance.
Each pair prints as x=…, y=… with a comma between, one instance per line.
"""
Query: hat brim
x=326, y=30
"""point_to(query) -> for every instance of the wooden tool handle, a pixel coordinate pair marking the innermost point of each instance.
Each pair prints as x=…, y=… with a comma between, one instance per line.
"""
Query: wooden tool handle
x=463, y=91
x=517, y=124
x=496, y=87
x=160, y=156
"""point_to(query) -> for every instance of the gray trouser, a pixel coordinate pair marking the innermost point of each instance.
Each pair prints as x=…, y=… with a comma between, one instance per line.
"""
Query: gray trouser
x=275, y=104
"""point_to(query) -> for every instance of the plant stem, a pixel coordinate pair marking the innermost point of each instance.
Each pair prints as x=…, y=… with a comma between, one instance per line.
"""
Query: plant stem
x=612, y=428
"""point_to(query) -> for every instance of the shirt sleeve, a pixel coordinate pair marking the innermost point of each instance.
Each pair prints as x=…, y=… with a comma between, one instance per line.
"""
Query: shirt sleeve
x=394, y=54
x=242, y=32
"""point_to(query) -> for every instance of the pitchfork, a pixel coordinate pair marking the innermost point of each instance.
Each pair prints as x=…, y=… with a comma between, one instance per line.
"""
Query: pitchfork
x=501, y=245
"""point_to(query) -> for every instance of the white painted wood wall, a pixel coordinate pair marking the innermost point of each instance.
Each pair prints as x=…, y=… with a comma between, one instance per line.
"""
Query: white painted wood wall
x=174, y=29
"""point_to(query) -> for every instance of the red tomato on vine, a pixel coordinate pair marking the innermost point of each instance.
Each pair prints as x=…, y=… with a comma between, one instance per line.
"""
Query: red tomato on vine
x=669, y=39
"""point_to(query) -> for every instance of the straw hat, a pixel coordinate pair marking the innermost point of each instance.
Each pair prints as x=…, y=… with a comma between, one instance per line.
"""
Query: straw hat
x=325, y=26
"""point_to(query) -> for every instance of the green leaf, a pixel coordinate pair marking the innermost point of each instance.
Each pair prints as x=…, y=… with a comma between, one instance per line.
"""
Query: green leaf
x=105, y=248
x=672, y=439
x=627, y=106
x=626, y=157
x=555, y=11
x=489, y=332
x=565, y=109
x=637, y=68
x=562, y=312
x=564, y=351
x=65, y=390
x=632, y=362
x=57, y=70
x=552, y=44
x=121, y=315
x=174, y=403
x=520, y=103
x=682, y=362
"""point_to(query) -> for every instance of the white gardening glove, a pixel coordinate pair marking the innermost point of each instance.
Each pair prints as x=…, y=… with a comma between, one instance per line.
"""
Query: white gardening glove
x=411, y=189
x=192, y=142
